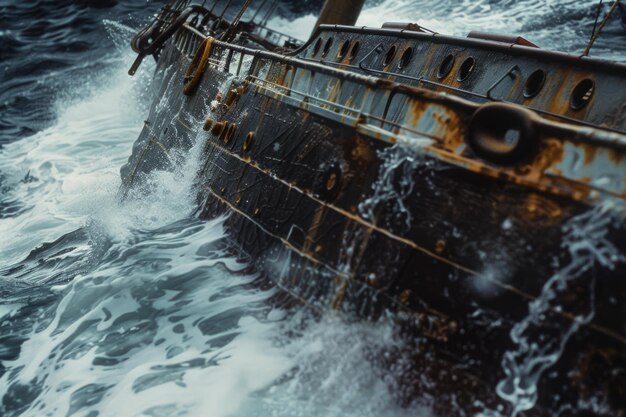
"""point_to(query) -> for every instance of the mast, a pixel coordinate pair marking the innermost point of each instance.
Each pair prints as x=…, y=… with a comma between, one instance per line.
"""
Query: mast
x=340, y=12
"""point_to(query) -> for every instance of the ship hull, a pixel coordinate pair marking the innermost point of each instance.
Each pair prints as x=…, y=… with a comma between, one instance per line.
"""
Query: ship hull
x=344, y=221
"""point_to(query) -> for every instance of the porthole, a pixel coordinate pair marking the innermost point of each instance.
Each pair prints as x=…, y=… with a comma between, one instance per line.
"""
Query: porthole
x=446, y=66
x=390, y=54
x=406, y=57
x=343, y=51
x=317, y=46
x=355, y=50
x=534, y=83
x=466, y=69
x=581, y=96
x=327, y=46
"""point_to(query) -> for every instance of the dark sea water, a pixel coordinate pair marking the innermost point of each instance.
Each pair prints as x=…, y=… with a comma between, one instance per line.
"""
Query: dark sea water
x=111, y=309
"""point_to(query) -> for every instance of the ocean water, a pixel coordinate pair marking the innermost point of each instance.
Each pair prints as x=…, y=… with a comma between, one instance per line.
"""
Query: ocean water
x=133, y=308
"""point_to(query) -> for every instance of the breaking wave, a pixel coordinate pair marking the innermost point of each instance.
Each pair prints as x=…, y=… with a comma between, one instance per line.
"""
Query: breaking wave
x=133, y=309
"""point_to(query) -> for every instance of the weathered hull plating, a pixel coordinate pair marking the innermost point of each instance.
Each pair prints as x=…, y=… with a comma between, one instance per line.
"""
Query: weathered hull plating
x=457, y=247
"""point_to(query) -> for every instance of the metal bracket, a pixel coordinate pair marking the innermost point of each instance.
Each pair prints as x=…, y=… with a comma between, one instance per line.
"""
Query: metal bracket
x=511, y=73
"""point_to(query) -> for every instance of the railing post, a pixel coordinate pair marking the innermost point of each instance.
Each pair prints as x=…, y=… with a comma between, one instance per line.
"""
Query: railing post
x=186, y=40
x=291, y=80
x=252, y=70
x=229, y=58
x=239, y=63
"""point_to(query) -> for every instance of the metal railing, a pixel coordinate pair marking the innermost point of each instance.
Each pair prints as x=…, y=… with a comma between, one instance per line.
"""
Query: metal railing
x=373, y=87
x=274, y=36
x=362, y=114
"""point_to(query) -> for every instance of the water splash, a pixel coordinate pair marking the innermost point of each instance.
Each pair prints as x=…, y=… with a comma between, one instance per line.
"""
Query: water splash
x=542, y=335
x=154, y=299
x=175, y=337
x=338, y=364
x=78, y=156
x=162, y=322
x=394, y=184
x=563, y=25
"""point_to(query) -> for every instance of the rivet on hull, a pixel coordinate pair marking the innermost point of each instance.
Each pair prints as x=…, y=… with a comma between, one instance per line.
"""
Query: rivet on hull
x=248, y=142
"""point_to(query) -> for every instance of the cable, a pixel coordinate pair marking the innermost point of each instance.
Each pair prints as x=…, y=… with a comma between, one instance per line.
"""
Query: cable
x=226, y=8
x=595, y=34
x=258, y=10
x=231, y=30
x=269, y=13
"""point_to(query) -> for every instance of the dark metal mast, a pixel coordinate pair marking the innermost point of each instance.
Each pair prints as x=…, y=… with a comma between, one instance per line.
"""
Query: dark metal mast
x=340, y=12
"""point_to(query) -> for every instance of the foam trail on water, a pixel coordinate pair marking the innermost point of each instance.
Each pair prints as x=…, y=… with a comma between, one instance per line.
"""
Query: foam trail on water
x=133, y=309
x=338, y=371
x=126, y=339
x=53, y=171
x=563, y=25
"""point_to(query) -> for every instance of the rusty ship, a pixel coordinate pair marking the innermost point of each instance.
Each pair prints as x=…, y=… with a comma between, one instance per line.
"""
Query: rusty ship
x=472, y=187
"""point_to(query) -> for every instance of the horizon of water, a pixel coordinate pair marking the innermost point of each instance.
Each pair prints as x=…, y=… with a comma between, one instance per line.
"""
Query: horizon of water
x=129, y=309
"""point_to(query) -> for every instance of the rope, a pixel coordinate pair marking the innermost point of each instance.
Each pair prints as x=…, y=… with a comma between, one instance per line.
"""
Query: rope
x=258, y=10
x=269, y=13
x=231, y=30
x=226, y=8
x=213, y=7
x=241, y=12
x=595, y=33
x=595, y=23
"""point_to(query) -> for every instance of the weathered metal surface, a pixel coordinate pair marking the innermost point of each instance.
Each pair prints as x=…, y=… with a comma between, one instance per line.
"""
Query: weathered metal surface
x=300, y=153
x=391, y=110
x=562, y=73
